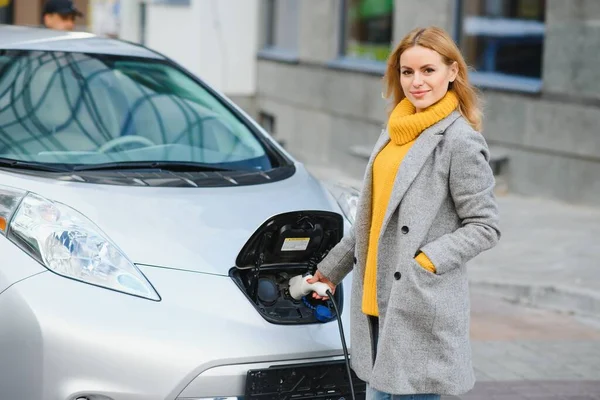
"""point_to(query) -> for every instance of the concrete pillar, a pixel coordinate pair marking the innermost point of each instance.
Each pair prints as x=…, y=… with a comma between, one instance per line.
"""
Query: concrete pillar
x=319, y=30
x=410, y=14
x=571, y=48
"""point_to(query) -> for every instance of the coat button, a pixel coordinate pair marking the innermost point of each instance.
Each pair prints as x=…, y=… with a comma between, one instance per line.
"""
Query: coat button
x=354, y=260
x=404, y=229
x=397, y=275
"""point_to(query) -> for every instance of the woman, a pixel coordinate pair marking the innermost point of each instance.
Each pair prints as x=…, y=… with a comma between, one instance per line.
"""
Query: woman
x=426, y=208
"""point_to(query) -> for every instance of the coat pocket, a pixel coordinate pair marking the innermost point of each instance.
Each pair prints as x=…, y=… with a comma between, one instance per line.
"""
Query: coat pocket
x=420, y=269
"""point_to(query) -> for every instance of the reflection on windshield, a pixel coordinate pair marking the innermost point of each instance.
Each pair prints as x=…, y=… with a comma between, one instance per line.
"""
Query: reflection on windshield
x=72, y=108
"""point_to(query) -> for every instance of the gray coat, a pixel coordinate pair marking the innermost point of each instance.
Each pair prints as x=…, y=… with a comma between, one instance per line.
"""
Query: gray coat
x=443, y=204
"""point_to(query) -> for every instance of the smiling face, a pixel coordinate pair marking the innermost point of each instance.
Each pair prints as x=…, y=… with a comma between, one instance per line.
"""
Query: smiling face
x=424, y=76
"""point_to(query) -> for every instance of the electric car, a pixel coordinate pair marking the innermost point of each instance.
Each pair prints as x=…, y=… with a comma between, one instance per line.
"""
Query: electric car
x=149, y=229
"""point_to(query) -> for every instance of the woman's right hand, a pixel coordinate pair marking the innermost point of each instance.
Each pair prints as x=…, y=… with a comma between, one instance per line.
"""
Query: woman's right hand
x=318, y=277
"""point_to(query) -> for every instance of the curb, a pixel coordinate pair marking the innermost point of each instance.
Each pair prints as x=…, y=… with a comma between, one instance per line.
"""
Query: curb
x=574, y=301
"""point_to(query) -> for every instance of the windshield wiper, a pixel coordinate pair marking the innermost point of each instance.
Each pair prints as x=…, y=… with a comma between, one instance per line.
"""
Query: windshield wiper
x=173, y=166
x=30, y=165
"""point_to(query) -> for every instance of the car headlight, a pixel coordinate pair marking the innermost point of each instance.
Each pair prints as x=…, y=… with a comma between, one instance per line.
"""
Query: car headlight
x=347, y=199
x=9, y=201
x=69, y=244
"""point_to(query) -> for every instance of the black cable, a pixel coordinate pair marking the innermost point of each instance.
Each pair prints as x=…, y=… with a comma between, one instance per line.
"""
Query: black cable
x=346, y=356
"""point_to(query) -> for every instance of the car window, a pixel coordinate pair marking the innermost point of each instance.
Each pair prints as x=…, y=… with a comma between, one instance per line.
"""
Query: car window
x=72, y=108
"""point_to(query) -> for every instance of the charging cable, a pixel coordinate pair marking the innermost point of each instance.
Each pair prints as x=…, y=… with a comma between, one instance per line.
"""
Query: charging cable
x=347, y=358
x=299, y=287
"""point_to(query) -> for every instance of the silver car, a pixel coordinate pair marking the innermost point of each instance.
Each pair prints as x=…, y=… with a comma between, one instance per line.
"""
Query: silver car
x=148, y=232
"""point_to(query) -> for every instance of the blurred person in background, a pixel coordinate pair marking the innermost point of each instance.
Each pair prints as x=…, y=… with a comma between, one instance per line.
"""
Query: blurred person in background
x=426, y=208
x=60, y=15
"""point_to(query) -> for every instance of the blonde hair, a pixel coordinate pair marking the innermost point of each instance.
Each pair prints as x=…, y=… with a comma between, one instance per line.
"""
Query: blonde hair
x=439, y=41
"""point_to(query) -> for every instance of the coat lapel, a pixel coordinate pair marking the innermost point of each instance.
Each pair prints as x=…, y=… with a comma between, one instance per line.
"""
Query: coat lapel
x=414, y=161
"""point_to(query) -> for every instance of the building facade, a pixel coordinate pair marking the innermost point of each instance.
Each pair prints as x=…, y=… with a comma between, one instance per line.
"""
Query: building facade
x=311, y=72
x=319, y=86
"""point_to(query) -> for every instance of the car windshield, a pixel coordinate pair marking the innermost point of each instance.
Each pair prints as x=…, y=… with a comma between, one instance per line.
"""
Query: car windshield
x=82, y=110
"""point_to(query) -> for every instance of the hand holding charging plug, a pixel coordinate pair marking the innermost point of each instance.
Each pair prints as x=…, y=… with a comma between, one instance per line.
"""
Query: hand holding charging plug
x=301, y=286
x=320, y=278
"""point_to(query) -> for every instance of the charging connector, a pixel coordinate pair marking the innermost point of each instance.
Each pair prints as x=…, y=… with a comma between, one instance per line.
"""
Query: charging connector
x=343, y=338
x=299, y=288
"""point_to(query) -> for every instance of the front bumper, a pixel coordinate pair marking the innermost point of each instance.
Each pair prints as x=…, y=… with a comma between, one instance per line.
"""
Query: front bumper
x=63, y=339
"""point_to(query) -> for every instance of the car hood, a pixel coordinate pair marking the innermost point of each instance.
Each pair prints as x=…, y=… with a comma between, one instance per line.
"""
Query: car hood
x=194, y=229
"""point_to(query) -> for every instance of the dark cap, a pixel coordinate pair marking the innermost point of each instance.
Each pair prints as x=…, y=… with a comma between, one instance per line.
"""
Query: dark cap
x=62, y=7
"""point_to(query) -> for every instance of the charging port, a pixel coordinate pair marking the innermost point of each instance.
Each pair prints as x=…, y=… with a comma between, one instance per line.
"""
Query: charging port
x=287, y=245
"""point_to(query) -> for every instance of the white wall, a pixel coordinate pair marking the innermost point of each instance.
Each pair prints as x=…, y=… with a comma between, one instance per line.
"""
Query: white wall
x=104, y=17
x=130, y=23
x=175, y=32
x=215, y=39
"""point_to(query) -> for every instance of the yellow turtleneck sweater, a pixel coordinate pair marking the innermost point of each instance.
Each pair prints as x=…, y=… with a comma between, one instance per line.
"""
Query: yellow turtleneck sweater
x=404, y=127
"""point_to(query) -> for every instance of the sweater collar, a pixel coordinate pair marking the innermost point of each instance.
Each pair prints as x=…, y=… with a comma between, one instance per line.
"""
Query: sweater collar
x=405, y=125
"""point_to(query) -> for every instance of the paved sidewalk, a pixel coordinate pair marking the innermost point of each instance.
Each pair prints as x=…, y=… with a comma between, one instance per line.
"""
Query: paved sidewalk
x=549, y=254
x=522, y=353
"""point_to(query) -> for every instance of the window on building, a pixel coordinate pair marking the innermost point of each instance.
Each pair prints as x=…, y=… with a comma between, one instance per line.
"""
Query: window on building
x=367, y=29
x=282, y=25
x=503, y=40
